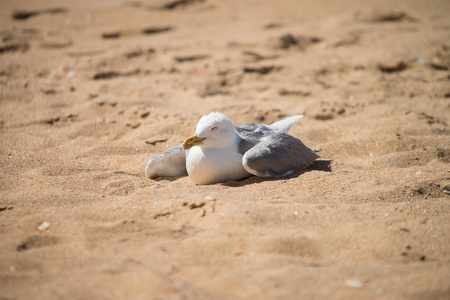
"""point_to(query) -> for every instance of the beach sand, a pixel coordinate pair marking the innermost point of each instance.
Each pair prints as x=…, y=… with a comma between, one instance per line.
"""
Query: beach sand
x=90, y=90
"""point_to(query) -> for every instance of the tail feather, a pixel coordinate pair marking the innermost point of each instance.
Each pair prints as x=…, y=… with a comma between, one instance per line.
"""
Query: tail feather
x=283, y=126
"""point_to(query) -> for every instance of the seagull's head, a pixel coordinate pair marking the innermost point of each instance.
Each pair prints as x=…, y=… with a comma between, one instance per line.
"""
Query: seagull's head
x=213, y=131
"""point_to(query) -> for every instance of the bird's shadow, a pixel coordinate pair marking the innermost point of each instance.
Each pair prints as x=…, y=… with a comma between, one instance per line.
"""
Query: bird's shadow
x=168, y=178
x=318, y=165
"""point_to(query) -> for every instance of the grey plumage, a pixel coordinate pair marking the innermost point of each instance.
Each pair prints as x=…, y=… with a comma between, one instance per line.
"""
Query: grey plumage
x=278, y=155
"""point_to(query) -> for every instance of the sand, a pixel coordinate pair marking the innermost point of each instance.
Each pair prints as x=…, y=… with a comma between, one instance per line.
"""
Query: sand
x=90, y=90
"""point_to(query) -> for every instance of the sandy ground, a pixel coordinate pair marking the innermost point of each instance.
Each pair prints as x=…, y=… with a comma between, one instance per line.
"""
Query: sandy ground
x=90, y=90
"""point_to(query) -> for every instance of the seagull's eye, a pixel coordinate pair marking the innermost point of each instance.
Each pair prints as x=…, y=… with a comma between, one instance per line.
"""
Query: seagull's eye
x=213, y=128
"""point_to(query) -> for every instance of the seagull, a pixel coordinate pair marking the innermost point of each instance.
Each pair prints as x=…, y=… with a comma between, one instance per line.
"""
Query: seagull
x=219, y=152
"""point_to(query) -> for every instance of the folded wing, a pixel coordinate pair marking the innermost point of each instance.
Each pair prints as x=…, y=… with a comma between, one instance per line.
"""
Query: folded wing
x=278, y=155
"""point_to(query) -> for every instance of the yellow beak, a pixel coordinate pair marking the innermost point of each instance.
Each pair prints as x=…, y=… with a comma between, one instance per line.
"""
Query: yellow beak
x=192, y=141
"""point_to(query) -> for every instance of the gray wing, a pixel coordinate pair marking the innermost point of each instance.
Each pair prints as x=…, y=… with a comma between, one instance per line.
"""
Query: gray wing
x=278, y=155
x=169, y=163
x=253, y=132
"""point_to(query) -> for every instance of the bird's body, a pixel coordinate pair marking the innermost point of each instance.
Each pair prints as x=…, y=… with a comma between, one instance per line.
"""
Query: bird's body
x=207, y=166
x=220, y=152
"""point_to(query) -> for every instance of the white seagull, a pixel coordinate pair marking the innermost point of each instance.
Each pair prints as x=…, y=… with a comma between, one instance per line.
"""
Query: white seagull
x=219, y=152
